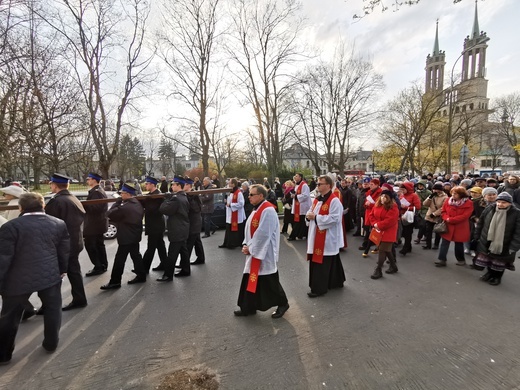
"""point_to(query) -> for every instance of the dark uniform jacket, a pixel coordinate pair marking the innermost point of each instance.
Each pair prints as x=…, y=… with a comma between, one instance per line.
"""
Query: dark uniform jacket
x=153, y=218
x=69, y=209
x=194, y=214
x=208, y=202
x=128, y=217
x=511, y=235
x=35, y=252
x=96, y=221
x=176, y=207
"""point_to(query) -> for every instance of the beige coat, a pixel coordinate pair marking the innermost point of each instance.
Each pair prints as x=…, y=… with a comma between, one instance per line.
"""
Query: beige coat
x=435, y=207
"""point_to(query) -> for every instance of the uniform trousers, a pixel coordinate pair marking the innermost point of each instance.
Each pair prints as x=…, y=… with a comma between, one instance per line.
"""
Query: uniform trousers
x=51, y=299
x=155, y=241
x=119, y=262
x=76, y=280
x=173, y=253
x=95, y=247
x=193, y=241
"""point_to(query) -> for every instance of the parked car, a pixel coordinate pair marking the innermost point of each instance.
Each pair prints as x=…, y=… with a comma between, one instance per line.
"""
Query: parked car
x=218, y=218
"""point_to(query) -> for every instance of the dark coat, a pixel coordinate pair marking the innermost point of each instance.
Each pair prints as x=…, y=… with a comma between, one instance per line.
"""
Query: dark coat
x=69, y=209
x=153, y=218
x=194, y=214
x=128, y=217
x=35, y=252
x=248, y=206
x=271, y=198
x=360, y=203
x=511, y=234
x=207, y=200
x=164, y=186
x=96, y=221
x=177, y=207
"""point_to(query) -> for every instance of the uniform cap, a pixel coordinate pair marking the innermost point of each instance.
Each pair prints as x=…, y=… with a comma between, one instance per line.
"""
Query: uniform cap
x=60, y=178
x=152, y=180
x=178, y=179
x=95, y=176
x=128, y=188
x=187, y=180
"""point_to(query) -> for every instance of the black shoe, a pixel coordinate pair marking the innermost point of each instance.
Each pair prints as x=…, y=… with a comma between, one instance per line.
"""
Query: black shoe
x=205, y=236
x=377, y=273
x=417, y=241
x=362, y=248
x=48, y=348
x=95, y=271
x=4, y=362
x=73, y=305
x=110, y=286
x=356, y=235
x=280, y=311
x=181, y=274
x=197, y=262
x=435, y=247
x=291, y=239
x=158, y=268
x=313, y=295
x=40, y=311
x=440, y=263
x=486, y=277
x=427, y=247
x=213, y=231
x=137, y=279
x=165, y=278
x=240, y=313
x=494, y=281
x=29, y=313
x=391, y=270
x=222, y=246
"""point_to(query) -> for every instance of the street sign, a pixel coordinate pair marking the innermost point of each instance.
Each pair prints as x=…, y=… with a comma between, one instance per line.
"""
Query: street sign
x=464, y=154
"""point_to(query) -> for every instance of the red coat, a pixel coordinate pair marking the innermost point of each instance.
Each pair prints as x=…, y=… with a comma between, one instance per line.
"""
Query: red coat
x=387, y=221
x=411, y=197
x=457, y=220
x=369, y=206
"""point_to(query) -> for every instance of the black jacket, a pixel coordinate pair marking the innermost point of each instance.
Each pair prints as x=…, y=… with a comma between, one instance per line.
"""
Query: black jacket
x=96, y=221
x=153, y=218
x=511, y=235
x=194, y=214
x=69, y=209
x=35, y=252
x=208, y=201
x=176, y=207
x=128, y=217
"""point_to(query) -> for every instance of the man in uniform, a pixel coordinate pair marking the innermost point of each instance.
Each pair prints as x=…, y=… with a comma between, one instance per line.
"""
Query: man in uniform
x=154, y=226
x=127, y=214
x=67, y=207
x=301, y=203
x=260, y=288
x=96, y=224
x=325, y=240
x=176, y=207
x=34, y=257
x=194, y=236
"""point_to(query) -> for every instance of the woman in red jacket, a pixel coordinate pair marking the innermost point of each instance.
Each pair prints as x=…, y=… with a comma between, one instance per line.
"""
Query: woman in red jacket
x=410, y=201
x=384, y=217
x=456, y=212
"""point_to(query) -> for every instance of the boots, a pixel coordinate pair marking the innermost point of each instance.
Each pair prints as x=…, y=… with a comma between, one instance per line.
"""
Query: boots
x=377, y=273
x=392, y=269
x=496, y=279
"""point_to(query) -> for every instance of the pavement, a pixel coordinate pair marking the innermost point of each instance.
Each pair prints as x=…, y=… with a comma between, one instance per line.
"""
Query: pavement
x=422, y=328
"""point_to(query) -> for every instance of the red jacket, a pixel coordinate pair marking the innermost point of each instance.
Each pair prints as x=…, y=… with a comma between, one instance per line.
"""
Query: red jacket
x=369, y=206
x=411, y=197
x=387, y=221
x=457, y=220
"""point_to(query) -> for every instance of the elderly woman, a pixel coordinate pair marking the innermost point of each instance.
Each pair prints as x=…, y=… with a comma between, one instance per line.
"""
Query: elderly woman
x=12, y=193
x=456, y=212
x=498, y=235
x=433, y=215
x=489, y=195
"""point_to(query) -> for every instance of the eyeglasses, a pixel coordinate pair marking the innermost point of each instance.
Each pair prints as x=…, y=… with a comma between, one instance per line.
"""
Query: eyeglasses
x=251, y=195
x=321, y=184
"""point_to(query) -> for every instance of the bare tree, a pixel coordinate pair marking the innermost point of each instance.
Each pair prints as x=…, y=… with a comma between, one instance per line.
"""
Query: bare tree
x=264, y=48
x=187, y=43
x=506, y=114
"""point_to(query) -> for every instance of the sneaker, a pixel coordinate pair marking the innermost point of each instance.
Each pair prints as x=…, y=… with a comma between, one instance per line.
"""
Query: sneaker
x=466, y=251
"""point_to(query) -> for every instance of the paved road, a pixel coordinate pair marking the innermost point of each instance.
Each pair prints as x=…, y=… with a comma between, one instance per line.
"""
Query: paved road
x=423, y=328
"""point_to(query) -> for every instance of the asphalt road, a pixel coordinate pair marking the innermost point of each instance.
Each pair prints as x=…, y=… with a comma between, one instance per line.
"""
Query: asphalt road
x=423, y=328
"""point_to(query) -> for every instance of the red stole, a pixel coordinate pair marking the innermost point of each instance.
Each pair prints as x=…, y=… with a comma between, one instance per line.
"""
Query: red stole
x=255, y=263
x=319, y=239
x=234, y=214
x=297, y=203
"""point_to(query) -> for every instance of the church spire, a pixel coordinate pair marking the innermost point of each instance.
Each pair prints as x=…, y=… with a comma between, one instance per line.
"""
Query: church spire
x=436, y=43
x=476, y=30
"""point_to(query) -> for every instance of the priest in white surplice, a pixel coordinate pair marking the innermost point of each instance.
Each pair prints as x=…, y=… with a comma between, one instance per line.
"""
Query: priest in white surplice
x=324, y=240
x=261, y=288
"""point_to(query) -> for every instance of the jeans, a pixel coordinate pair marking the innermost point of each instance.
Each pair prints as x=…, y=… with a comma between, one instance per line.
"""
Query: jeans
x=445, y=245
x=206, y=222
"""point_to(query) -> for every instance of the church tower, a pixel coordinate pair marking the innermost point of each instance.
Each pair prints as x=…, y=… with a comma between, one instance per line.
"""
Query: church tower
x=435, y=66
x=473, y=86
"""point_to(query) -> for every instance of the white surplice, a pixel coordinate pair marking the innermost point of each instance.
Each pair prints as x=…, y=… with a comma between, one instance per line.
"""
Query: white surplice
x=304, y=198
x=239, y=206
x=331, y=223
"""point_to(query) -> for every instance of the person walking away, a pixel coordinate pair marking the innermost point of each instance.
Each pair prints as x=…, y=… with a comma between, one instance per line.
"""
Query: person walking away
x=235, y=217
x=260, y=288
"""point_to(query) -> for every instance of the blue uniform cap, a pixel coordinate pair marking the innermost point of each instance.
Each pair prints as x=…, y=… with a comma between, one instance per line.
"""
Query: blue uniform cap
x=128, y=188
x=152, y=180
x=187, y=180
x=178, y=179
x=60, y=178
x=95, y=176
x=366, y=180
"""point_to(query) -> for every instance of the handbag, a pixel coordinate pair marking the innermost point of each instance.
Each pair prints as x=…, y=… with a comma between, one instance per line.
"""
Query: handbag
x=440, y=227
x=376, y=236
x=408, y=217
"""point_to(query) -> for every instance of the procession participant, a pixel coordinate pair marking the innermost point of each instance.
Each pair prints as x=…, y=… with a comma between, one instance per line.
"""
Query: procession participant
x=153, y=227
x=325, y=240
x=68, y=208
x=371, y=198
x=194, y=233
x=127, y=213
x=176, y=207
x=235, y=217
x=260, y=288
x=12, y=194
x=21, y=240
x=95, y=225
x=301, y=203
x=208, y=206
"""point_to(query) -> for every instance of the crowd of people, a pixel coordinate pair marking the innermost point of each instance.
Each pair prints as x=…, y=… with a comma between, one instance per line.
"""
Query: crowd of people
x=479, y=216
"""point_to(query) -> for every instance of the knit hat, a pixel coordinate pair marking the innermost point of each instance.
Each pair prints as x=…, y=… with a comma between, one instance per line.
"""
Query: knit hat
x=465, y=182
x=387, y=187
x=438, y=186
x=375, y=181
x=505, y=197
x=387, y=192
x=489, y=190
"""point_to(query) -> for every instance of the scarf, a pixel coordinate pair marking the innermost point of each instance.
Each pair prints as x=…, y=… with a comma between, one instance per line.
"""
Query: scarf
x=319, y=239
x=496, y=231
x=234, y=214
x=457, y=203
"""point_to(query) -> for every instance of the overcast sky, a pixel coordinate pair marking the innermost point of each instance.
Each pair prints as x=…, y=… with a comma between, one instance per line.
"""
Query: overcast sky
x=398, y=42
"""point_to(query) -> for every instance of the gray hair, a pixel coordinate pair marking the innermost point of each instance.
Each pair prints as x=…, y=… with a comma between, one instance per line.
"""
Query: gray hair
x=260, y=189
